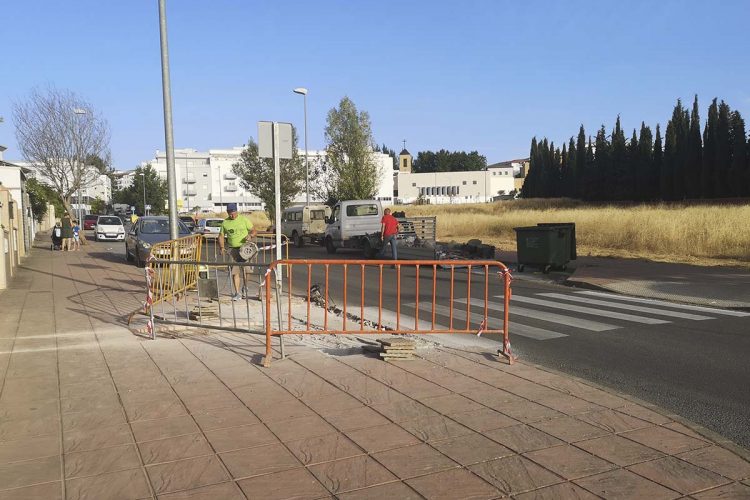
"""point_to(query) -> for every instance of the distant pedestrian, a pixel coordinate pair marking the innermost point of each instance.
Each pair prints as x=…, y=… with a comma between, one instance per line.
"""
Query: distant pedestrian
x=388, y=233
x=67, y=232
x=76, y=236
x=235, y=230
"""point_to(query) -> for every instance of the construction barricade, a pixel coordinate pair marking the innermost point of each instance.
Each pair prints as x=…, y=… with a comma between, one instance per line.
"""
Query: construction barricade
x=437, y=287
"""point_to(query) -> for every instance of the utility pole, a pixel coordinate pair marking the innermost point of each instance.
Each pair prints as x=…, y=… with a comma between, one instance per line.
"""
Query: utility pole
x=168, y=137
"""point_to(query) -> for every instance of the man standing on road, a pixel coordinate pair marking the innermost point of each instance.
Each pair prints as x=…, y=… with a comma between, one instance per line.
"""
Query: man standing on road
x=388, y=232
x=234, y=231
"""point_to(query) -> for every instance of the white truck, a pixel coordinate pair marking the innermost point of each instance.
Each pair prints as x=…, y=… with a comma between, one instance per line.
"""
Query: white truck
x=355, y=224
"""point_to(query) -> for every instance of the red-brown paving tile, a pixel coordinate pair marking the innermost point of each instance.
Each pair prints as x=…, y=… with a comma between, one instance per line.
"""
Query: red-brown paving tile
x=414, y=461
x=485, y=419
x=249, y=462
x=719, y=460
x=397, y=490
x=245, y=436
x=451, y=484
x=678, y=475
x=176, y=448
x=326, y=448
x=225, y=417
x=357, y=418
x=624, y=484
x=351, y=474
x=101, y=437
x=150, y=430
x=299, y=428
x=435, y=428
x=186, y=474
x=734, y=491
x=569, y=429
x=522, y=438
x=515, y=474
x=381, y=438
x=95, y=462
x=562, y=491
x=221, y=491
x=46, y=491
x=295, y=483
x=618, y=450
x=39, y=470
x=665, y=440
x=124, y=485
x=471, y=449
x=451, y=403
x=613, y=421
x=27, y=449
x=569, y=462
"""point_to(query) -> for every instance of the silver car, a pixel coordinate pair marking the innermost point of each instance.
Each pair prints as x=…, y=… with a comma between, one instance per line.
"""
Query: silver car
x=146, y=232
x=209, y=227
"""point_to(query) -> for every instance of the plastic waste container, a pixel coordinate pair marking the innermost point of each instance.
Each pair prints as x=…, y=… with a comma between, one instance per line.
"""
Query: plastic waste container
x=542, y=246
x=568, y=226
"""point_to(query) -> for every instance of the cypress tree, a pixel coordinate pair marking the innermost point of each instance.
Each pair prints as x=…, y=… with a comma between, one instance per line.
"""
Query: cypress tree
x=564, y=172
x=694, y=154
x=723, y=152
x=675, y=151
x=632, y=167
x=657, y=165
x=666, y=183
x=572, y=166
x=527, y=190
x=708, y=164
x=600, y=173
x=581, y=173
x=616, y=183
x=589, y=170
x=644, y=189
x=737, y=169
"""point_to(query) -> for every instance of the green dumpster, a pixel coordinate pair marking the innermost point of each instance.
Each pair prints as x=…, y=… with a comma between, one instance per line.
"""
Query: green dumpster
x=546, y=247
x=568, y=226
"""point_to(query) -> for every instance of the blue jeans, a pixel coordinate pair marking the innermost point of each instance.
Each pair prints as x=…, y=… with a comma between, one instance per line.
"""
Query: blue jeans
x=394, y=246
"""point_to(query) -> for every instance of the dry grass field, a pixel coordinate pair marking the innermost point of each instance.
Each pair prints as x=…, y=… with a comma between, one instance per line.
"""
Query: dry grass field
x=709, y=234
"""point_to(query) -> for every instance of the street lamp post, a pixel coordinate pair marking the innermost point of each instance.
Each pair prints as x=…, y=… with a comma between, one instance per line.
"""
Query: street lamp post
x=80, y=112
x=303, y=92
x=143, y=174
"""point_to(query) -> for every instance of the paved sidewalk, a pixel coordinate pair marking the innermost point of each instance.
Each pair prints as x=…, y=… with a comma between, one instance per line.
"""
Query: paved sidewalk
x=725, y=287
x=89, y=410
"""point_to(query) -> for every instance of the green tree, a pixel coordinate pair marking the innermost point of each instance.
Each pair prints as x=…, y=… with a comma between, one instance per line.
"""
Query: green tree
x=617, y=180
x=569, y=171
x=723, y=152
x=41, y=195
x=98, y=206
x=694, y=155
x=351, y=171
x=581, y=176
x=666, y=182
x=257, y=175
x=658, y=166
x=708, y=164
x=447, y=161
x=645, y=181
x=156, y=191
x=633, y=158
x=530, y=184
x=737, y=173
x=601, y=171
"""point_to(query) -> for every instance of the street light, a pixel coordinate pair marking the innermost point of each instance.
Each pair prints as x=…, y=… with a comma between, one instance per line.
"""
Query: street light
x=80, y=112
x=303, y=92
x=143, y=174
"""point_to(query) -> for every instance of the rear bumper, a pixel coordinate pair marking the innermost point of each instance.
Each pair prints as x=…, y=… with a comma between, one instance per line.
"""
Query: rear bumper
x=118, y=237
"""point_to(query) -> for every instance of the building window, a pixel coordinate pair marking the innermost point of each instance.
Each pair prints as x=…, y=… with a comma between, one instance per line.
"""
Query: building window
x=413, y=184
x=464, y=183
x=405, y=162
x=474, y=182
x=205, y=174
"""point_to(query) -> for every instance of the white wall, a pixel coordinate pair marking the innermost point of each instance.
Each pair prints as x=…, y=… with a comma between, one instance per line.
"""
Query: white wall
x=455, y=187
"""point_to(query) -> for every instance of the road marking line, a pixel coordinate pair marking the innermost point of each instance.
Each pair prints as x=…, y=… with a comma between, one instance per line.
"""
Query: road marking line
x=657, y=302
x=585, y=324
x=629, y=307
x=589, y=310
x=459, y=318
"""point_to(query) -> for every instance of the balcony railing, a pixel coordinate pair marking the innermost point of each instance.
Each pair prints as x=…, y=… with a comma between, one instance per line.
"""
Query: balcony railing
x=230, y=187
x=230, y=176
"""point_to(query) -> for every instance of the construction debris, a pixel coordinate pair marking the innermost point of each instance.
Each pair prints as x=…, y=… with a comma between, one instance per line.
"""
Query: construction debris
x=395, y=348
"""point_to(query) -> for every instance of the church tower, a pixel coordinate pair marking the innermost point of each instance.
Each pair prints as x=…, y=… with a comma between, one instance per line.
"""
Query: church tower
x=404, y=162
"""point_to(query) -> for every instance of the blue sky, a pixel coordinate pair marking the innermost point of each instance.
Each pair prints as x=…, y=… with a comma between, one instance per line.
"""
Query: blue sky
x=471, y=75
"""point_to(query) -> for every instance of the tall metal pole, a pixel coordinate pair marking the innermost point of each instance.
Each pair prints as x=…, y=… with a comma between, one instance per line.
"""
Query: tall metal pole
x=221, y=192
x=307, y=168
x=144, y=193
x=168, y=138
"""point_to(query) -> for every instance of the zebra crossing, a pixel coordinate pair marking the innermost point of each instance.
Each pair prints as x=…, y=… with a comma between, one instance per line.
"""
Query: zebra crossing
x=530, y=314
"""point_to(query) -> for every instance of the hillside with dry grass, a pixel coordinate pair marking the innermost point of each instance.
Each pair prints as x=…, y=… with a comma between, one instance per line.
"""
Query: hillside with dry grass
x=706, y=234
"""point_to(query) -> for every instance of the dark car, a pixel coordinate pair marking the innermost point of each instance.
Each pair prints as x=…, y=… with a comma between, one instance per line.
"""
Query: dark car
x=189, y=221
x=89, y=221
x=146, y=232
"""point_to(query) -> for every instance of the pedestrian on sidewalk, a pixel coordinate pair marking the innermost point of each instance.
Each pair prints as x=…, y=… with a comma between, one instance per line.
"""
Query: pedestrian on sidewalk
x=233, y=233
x=67, y=232
x=388, y=233
x=76, y=236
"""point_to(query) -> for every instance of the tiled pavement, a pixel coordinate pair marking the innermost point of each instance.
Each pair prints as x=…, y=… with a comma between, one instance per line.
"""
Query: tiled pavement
x=88, y=410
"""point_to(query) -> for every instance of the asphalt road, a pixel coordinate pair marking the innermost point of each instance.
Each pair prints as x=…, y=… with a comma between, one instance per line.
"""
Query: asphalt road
x=692, y=362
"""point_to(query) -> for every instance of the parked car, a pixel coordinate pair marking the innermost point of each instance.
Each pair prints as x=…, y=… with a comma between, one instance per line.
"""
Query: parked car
x=354, y=224
x=89, y=221
x=109, y=227
x=189, y=221
x=302, y=223
x=146, y=232
x=209, y=227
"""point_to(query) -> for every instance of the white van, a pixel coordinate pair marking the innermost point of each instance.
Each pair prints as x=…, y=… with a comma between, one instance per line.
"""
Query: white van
x=355, y=224
x=300, y=223
x=109, y=227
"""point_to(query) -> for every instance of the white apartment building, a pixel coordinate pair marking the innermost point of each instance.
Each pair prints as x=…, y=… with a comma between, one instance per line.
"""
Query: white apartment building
x=96, y=185
x=206, y=179
x=452, y=187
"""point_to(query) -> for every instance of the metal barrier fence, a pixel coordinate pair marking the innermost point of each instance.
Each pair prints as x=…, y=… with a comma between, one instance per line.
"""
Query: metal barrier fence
x=178, y=279
x=265, y=241
x=363, y=325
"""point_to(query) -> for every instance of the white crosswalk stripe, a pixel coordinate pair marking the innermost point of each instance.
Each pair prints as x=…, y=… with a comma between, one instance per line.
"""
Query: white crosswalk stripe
x=560, y=319
x=629, y=307
x=587, y=310
x=686, y=307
